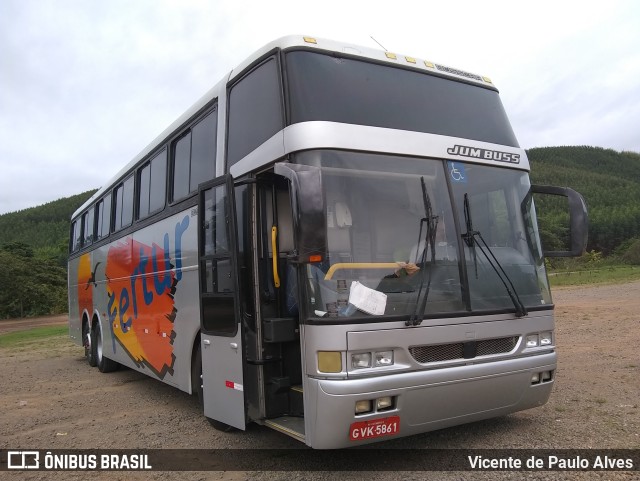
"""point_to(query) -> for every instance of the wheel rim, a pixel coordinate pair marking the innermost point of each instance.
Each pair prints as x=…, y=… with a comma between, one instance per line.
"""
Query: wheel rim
x=87, y=341
x=99, y=343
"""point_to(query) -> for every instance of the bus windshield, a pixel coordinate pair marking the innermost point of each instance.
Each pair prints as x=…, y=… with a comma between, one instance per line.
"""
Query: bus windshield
x=376, y=237
x=352, y=91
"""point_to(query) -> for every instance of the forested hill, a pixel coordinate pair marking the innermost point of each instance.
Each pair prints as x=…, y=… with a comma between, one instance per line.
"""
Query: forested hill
x=45, y=227
x=609, y=182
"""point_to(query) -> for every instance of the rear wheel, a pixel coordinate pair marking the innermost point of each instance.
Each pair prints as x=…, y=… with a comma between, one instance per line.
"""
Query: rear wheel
x=197, y=389
x=103, y=363
x=86, y=342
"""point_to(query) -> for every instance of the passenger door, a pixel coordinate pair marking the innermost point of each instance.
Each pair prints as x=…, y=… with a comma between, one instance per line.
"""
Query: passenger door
x=221, y=338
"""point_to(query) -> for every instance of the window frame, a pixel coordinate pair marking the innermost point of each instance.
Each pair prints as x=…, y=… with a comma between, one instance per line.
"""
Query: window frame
x=211, y=109
x=276, y=57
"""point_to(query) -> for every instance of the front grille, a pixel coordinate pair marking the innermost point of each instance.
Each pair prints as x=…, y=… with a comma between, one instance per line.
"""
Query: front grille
x=463, y=350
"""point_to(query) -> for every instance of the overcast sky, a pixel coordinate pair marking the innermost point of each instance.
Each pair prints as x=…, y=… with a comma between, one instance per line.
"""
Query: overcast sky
x=87, y=84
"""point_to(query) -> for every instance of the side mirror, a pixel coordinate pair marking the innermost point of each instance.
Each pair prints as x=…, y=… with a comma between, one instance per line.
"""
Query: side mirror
x=309, y=212
x=578, y=219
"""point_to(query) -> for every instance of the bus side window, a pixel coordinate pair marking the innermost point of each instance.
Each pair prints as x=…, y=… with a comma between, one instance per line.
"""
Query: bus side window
x=123, y=208
x=194, y=156
x=75, y=237
x=255, y=110
x=87, y=227
x=103, y=214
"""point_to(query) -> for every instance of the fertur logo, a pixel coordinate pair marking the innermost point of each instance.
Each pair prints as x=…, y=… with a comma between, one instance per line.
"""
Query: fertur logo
x=141, y=283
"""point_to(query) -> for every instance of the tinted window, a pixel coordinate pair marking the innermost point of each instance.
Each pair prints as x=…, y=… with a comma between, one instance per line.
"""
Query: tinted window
x=104, y=219
x=323, y=87
x=181, y=158
x=216, y=241
x=203, y=151
x=75, y=236
x=194, y=156
x=144, y=179
x=218, y=307
x=158, y=181
x=124, y=204
x=117, y=214
x=255, y=110
x=152, y=183
x=87, y=227
x=127, y=202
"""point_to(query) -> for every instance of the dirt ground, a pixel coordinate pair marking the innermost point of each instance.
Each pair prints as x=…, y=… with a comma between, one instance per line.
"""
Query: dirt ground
x=51, y=399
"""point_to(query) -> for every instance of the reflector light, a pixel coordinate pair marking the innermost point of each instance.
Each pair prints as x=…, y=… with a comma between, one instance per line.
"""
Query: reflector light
x=329, y=361
x=315, y=258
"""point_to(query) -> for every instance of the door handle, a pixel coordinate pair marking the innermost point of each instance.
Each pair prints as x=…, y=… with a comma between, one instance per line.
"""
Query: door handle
x=234, y=345
x=206, y=342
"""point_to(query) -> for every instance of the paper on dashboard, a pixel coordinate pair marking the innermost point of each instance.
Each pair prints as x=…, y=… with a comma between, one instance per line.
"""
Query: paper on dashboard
x=367, y=300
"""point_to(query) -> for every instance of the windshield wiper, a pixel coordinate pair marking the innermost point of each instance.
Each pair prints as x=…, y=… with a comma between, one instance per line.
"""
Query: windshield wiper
x=431, y=223
x=471, y=239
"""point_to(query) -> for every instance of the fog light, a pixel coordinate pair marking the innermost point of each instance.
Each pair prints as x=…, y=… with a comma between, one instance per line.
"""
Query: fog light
x=384, y=358
x=532, y=340
x=363, y=406
x=546, y=376
x=329, y=361
x=535, y=378
x=546, y=338
x=361, y=360
x=384, y=403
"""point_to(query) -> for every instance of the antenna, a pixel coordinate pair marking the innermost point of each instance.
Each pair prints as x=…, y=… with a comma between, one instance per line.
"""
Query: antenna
x=383, y=47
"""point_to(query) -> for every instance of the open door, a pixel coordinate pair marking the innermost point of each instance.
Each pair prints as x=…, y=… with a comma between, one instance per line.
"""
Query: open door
x=221, y=336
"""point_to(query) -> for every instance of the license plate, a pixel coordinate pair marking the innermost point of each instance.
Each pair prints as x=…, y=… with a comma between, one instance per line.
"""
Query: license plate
x=375, y=428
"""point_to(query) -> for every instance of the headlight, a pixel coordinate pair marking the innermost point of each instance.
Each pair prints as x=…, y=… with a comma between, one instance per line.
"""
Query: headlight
x=384, y=358
x=532, y=340
x=546, y=338
x=361, y=360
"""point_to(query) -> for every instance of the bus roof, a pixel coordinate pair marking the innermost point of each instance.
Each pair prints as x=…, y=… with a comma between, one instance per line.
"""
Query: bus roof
x=285, y=43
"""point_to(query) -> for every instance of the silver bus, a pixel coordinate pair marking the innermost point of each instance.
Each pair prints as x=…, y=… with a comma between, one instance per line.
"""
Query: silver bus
x=336, y=242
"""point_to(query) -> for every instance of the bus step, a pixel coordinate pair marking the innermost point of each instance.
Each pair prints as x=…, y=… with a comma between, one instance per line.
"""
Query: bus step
x=296, y=401
x=289, y=425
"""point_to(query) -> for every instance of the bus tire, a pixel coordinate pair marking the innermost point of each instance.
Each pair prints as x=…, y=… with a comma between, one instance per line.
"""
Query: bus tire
x=104, y=364
x=89, y=352
x=196, y=389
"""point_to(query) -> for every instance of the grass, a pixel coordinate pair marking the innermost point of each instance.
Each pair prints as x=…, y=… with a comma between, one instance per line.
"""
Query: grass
x=21, y=338
x=601, y=275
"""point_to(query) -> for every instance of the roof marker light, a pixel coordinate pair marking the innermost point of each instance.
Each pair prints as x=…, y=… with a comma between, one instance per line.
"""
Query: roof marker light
x=429, y=64
x=310, y=40
x=487, y=79
x=392, y=56
x=410, y=59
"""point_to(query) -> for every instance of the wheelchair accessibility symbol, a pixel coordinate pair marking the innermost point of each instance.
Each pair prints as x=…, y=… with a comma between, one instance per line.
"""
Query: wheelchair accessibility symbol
x=457, y=172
